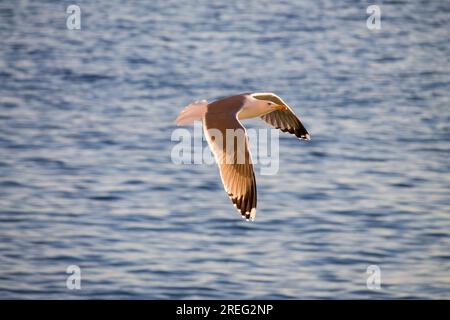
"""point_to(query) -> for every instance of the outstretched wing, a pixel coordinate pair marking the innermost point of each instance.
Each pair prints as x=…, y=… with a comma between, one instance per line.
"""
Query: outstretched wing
x=232, y=155
x=285, y=120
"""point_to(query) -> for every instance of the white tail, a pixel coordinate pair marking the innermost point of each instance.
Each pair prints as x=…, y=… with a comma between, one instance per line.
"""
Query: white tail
x=192, y=112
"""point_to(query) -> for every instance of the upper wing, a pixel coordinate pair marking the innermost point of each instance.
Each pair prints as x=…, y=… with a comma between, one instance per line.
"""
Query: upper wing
x=233, y=158
x=287, y=121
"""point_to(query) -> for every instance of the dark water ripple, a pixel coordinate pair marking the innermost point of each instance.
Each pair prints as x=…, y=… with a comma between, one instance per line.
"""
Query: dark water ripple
x=85, y=172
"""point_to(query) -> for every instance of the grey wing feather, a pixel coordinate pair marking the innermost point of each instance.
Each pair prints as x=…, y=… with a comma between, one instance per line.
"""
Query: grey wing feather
x=287, y=121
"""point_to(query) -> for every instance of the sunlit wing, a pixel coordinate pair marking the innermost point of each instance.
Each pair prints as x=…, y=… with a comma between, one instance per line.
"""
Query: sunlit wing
x=235, y=164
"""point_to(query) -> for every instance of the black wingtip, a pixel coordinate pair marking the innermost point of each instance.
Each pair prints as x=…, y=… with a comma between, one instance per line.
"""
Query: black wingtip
x=306, y=137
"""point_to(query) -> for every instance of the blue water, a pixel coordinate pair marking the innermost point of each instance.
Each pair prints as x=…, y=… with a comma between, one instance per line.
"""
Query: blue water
x=86, y=177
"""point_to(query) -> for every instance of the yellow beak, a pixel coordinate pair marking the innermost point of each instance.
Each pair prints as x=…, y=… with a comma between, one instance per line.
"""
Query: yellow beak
x=281, y=107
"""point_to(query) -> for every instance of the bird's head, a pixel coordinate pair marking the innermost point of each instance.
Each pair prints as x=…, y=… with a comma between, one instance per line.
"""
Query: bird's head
x=270, y=101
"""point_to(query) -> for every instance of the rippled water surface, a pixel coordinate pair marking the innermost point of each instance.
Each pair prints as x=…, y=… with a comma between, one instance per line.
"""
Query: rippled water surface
x=86, y=176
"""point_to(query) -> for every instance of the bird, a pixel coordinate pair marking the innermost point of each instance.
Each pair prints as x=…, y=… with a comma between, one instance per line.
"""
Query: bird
x=235, y=164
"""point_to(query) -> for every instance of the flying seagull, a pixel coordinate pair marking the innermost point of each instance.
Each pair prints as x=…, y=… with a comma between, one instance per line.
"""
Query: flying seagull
x=235, y=164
